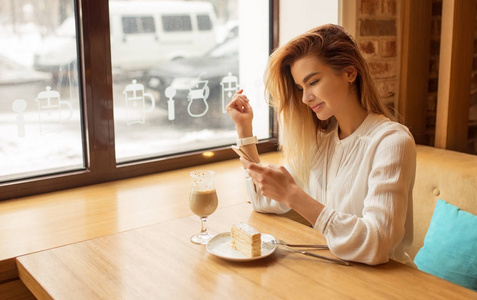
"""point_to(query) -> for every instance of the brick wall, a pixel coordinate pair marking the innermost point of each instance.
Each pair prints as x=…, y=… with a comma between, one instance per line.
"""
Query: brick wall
x=378, y=38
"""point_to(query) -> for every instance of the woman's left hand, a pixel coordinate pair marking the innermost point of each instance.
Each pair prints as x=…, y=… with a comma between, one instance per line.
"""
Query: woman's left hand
x=274, y=181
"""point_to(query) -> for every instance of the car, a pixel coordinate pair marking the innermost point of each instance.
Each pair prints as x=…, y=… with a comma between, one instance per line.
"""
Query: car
x=196, y=90
x=19, y=82
x=12, y=73
x=228, y=31
x=142, y=33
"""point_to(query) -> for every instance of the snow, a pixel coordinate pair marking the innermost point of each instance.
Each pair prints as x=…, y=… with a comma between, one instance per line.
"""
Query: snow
x=27, y=149
x=19, y=47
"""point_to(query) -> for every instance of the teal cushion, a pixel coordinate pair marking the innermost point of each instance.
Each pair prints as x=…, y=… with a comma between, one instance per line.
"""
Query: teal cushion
x=450, y=246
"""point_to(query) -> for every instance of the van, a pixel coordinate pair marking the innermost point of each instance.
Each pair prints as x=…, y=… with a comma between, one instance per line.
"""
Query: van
x=143, y=33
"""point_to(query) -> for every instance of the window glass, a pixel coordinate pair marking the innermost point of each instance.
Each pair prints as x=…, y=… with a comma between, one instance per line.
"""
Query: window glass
x=147, y=24
x=135, y=25
x=176, y=23
x=204, y=23
x=130, y=25
x=171, y=89
x=40, y=112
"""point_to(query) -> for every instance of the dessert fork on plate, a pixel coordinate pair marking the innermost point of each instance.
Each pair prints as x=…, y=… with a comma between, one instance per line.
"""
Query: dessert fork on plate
x=281, y=242
x=334, y=260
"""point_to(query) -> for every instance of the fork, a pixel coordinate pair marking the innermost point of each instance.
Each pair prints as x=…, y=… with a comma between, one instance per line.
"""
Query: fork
x=281, y=242
x=338, y=261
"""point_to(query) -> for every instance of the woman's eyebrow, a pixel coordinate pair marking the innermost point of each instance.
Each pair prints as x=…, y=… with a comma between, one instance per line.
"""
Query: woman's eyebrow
x=307, y=77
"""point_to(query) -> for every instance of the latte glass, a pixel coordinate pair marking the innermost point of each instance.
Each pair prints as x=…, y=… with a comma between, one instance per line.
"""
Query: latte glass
x=203, y=201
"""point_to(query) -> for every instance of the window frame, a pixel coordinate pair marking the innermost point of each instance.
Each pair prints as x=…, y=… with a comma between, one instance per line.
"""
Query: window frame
x=96, y=97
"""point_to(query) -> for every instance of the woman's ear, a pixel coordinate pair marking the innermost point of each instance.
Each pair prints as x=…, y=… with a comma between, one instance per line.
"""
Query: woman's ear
x=351, y=73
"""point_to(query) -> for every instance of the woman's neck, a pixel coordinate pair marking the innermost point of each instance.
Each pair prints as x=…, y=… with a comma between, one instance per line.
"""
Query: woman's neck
x=347, y=125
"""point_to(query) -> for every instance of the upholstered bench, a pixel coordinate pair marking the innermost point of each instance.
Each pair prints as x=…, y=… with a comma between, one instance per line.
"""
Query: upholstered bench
x=445, y=209
x=441, y=174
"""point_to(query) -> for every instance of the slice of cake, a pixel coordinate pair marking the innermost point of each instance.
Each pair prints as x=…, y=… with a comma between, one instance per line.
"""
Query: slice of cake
x=246, y=239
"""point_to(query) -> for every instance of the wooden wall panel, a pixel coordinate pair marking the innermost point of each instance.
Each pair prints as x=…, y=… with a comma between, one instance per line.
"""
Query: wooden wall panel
x=455, y=65
x=416, y=34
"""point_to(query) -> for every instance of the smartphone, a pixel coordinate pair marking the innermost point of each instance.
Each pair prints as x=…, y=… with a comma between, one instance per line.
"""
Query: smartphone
x=246, y=156
x=242, y=153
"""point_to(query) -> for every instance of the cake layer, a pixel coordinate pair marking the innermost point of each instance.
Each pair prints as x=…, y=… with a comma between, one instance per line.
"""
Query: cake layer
x=246, y=239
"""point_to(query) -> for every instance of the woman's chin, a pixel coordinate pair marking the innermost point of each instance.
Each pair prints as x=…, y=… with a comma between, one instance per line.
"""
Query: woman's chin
x=322, y=116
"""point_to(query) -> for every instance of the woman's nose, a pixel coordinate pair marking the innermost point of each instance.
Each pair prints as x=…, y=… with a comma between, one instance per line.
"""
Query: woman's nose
x=307, y=97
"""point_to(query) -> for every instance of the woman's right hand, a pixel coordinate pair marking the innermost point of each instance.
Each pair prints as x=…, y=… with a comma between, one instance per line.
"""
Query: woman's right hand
x=240, y=110
x=241, y=113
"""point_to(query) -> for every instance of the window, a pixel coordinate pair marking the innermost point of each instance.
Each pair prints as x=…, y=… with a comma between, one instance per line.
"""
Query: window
x=40, y=109
x=176, y=23
x=147, y=24
x=135, y=25
x=204, y=23
x=130, y=25
x=82, y=104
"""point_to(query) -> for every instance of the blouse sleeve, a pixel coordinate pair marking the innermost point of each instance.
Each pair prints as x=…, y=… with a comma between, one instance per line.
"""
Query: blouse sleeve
x=259, y=202
x=369, y=239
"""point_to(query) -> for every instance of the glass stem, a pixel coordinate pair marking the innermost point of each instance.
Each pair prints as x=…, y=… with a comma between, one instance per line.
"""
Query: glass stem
x=203, y=231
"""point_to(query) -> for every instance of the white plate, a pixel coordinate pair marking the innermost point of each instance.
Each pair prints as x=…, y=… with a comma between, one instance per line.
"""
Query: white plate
x=219, y=246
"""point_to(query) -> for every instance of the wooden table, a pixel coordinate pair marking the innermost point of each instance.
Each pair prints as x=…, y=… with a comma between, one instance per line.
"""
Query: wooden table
x=42, y=222
x=160, y=262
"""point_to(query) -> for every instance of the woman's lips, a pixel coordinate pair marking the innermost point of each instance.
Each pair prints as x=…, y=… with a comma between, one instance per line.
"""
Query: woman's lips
x=318, y=106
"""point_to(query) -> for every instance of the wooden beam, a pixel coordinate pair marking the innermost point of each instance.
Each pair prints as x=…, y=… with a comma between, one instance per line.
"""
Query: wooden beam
x=416, y=35
x=455, y=65
x=347, y=16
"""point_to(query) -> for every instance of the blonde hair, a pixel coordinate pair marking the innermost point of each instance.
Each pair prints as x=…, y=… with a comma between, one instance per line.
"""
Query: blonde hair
x=299, y=126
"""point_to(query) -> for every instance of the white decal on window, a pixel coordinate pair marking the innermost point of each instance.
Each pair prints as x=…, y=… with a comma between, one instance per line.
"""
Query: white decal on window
x=135, y=98
x=200, y=91
x=229, y=85
x=49, y=110
x=170, y=93
x=19, y=107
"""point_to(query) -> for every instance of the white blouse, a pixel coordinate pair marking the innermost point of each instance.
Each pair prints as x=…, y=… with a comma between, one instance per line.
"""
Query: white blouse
x=365, y=182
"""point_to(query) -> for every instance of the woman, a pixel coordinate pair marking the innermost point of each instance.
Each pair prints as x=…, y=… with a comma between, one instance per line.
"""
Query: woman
x=350, y=169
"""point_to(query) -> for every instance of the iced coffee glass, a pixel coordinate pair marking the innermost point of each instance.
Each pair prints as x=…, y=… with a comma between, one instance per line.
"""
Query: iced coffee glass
x=203, y=201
